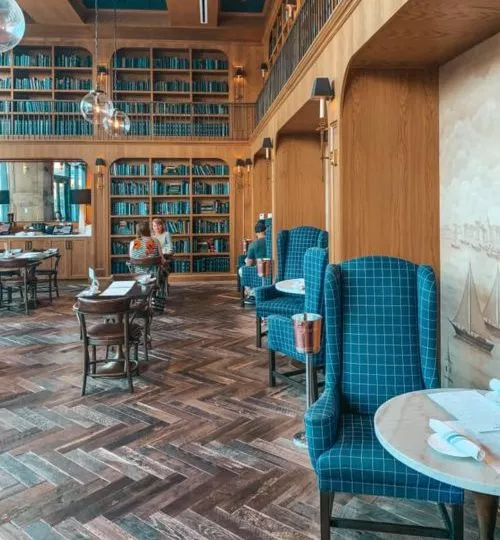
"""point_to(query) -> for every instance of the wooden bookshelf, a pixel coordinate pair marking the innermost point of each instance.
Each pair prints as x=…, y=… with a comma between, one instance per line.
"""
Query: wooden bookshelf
x=189, y=87
x=192, y=196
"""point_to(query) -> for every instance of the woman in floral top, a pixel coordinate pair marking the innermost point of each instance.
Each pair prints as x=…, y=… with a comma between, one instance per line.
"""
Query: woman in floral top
x=144, y=245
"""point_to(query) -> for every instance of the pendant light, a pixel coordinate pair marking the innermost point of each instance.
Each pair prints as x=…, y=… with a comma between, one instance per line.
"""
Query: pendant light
x=118, y=123
x=96, y=106
x=12, y=25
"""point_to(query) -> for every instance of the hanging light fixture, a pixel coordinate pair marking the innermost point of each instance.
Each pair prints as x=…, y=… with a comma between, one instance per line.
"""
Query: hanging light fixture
x=118, y=123
x=96, y=106
x=12, y=25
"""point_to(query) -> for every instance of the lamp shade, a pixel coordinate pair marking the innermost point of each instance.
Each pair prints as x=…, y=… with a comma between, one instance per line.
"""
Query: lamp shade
x=4, y=196
x=264, y=67
x=240, y=163
x=80, y=196
x=100, y=162
x=267, y=143
x=248, y=162
x=239, y=72
x=321, y=88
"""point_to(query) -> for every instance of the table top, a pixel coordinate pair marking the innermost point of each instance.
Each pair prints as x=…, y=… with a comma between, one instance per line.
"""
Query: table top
x=402, y=427
x=137, y=291
x=30, y=255
x=291, y=286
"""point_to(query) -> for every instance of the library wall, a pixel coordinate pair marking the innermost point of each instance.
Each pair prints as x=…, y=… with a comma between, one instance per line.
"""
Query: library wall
x=261, y=189
x=469, y=119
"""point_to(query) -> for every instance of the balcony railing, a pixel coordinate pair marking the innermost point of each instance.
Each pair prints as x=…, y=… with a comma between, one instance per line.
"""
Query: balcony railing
x=310, y=20
x=55, y=120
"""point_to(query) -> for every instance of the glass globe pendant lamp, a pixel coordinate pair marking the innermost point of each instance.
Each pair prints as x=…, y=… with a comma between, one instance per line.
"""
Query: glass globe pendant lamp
x=12, y=25
x=117, y=124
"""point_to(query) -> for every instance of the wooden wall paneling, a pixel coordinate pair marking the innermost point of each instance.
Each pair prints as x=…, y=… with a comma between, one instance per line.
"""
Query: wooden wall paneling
x=389, y=200
x=261, y=189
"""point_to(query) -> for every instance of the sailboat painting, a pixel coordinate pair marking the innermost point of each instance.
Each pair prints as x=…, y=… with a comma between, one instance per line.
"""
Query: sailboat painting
x=491, y=313
x=468, y=322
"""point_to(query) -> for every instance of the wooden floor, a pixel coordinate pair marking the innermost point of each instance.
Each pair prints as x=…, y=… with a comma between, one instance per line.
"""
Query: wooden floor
x=201, y=450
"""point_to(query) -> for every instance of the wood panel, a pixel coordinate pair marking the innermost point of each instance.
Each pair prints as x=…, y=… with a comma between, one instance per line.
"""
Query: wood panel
x=389, y=192
x=299, y=190
x=261, y=189
x=52, y=12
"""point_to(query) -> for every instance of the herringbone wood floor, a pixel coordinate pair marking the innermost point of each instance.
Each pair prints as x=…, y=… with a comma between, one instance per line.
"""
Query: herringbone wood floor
x=201, y=451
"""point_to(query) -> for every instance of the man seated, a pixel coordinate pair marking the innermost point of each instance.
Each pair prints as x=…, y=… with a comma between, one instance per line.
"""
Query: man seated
x=256, y=250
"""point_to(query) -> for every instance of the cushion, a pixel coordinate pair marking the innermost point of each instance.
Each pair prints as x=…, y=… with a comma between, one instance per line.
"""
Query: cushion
x=112, y=331
x=286, y=305
x=358, y=463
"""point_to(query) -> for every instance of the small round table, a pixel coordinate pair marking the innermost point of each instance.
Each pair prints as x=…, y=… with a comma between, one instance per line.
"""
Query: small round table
x=402, y=427
x=291, y=286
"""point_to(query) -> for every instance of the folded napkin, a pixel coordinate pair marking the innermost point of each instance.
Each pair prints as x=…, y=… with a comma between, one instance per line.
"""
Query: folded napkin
x=455, y=439
x=495, y=385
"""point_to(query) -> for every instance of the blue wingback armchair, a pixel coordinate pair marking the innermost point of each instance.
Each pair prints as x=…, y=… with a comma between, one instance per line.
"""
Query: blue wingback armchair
x=280, y=336
x=381, y=341
x=292, y=247
x=249, y=276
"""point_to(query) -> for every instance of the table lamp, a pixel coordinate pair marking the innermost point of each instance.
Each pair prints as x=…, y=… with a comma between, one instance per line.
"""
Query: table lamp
x=82, y=197
x=263, y=269
x=307, y=336
x=4, y=196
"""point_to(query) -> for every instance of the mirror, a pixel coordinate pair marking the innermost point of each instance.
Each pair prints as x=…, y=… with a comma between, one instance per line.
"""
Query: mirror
x=40, y=191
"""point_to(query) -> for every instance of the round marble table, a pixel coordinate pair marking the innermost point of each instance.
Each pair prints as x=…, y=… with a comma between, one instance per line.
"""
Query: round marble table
x=291, y=286
x=402, y=427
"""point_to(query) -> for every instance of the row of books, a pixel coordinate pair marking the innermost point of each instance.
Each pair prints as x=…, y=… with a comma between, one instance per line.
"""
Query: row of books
x=211, y=264
x=119, y=267
x=129, y=169
x=131, y=62
x=215, y=245
x=134, y=85
x=129, y=187
x=32, y=60
x=130, y=208
x=168, y=188
x=119, y=248
x=205, y=169
x=160, y=169
x=181, y=267
x=45, y=126
x=72, y=126
x=70, y=83
x=180, y=226
x=73, y=60
x=209, y=63
x=123, y=227
x=211, y=207
x=172, y=86
x=171, y=62
x=210, y=86
x=182, y=246
x=205, y=226
x=171, y=207
x=5, y=59
x=214, y=188
x=211, y=129
x=187, y=129
x=5, y=83
x=39, y=106
x=33, y=83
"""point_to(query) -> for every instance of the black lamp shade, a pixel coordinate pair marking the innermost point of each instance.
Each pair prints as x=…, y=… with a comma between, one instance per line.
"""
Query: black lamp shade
x=80, y=196
x=267, y=143
x=248, y=162
x=321, y=88
x=240, y=72
x=4, y=196
x=291, y=2
x=100, y=162
x=263, y=66
x=240, y=163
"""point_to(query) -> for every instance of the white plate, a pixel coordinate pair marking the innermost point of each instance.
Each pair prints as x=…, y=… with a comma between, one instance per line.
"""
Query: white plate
x=437, y=443
x=493, y=396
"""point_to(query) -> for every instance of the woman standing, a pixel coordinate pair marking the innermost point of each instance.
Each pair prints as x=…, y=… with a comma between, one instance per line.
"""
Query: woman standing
x=163, y=236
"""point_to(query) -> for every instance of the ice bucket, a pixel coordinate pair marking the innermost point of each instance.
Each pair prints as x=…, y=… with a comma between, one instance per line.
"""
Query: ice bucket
x=307, y=332
x=263, y=267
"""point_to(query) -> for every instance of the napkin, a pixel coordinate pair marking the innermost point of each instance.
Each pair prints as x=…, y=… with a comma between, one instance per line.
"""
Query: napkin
x=495, y=385
x=455, y=439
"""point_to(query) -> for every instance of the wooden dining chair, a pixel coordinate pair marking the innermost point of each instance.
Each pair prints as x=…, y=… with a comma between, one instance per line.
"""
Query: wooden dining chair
x=47, y=277
x=154, y=267
x=106, y=323
x=18, y=274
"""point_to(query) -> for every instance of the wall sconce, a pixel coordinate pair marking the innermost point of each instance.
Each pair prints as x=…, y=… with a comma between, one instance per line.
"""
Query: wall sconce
x=248, y=164
x=239, y=167
x=99, y=173
x=267, y=144
x=291, y=6
x=322, y=91
x=239, y=77
x=264, y=69
x=102, y=73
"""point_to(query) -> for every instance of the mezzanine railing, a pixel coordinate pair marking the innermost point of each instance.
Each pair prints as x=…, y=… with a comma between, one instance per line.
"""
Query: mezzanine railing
x=57, y=119
x=310, y=20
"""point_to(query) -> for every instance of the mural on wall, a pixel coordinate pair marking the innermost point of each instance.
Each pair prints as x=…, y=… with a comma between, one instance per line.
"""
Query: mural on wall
x=470, y=216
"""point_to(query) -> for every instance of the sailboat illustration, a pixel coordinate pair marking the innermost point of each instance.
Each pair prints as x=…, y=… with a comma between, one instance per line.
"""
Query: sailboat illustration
x=491, y=313
x=468, y=322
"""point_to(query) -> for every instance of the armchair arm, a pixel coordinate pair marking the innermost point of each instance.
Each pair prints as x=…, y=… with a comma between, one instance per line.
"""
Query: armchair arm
x=321, y=423
x=266, y=293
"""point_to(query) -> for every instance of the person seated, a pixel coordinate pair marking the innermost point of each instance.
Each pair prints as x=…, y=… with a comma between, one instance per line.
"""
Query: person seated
x=163, y=236
x=144, y=246
x=256, y=250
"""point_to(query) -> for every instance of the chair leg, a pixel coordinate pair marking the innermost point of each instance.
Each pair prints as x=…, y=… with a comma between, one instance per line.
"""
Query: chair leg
x=315, y=384
x=325, y=511
x=50, y=289
x=26, y=296
x=146, y=354
x=56, y=286
x=457, y=521
x=85, y=367
x=94, y=358
x=272, y=368
x=242, y=296
x=258, y=322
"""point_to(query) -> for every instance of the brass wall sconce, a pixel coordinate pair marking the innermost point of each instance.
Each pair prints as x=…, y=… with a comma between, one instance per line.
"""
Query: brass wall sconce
x=239, y=80
x=264, y=69
x=267, y=144
x=290, y=6
x=239, y=167
x=322, y=91
x=99, y=173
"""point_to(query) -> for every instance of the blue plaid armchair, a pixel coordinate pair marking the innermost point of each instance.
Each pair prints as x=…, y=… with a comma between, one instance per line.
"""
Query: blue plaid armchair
x=381, y=341
x=292, y=247
x=249, y=276
x=280, y=336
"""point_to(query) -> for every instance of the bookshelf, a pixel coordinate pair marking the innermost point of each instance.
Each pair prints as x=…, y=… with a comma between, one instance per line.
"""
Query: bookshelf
x=173, y=92
x=192, y=196
x=41, y=88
